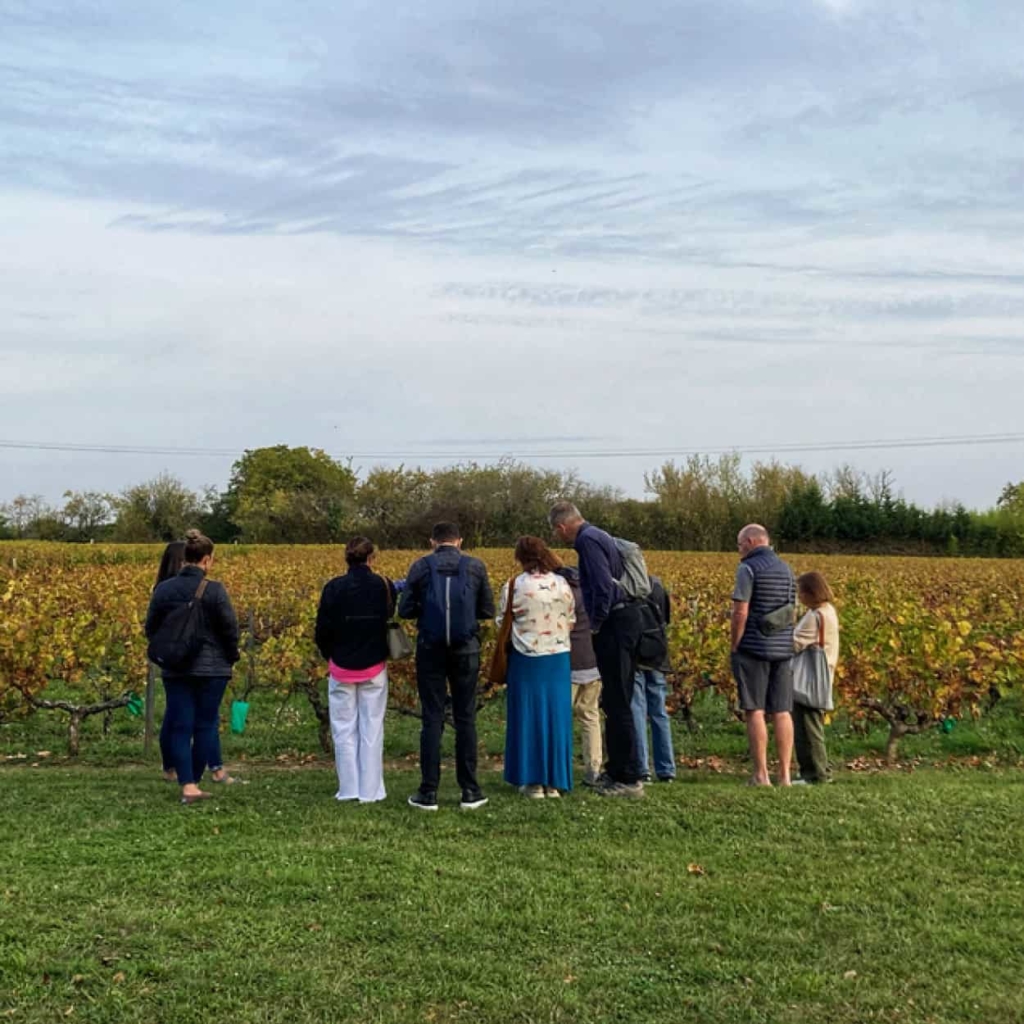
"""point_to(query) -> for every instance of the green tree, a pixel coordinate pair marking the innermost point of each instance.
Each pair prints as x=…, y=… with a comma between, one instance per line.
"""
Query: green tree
x=23, y=515
x=805, y=514
x=160, y=510
x=291, y=495
x=1011, y=499
x=85, y=514
x=393, y=504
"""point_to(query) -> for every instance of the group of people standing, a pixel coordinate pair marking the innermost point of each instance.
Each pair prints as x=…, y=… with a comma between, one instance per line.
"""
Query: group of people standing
x=571, y=647
x=571, y=636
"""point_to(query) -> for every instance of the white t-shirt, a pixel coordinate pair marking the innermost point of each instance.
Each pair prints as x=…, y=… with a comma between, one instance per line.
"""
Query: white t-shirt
x=544, y=612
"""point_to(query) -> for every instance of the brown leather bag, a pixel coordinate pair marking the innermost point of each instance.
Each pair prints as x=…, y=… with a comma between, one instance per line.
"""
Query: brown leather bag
x=498, y=670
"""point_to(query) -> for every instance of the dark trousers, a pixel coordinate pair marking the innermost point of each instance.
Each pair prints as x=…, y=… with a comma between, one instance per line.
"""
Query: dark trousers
x=439, y=669
x=216, y=761
x=191, y=721
x=615, y=645
x=809, y=740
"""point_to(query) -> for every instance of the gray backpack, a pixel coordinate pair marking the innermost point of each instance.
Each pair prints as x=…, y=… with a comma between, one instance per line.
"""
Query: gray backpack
x=635, y=580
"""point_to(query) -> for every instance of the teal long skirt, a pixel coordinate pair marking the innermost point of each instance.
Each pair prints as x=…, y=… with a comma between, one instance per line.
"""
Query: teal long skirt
x=538, y=736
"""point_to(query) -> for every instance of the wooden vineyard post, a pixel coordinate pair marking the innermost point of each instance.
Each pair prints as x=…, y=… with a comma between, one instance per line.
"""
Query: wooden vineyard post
x=151, y=711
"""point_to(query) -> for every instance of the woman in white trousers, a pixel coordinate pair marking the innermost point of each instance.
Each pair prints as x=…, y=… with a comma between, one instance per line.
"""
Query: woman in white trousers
x=357, y=726
x=351, y=633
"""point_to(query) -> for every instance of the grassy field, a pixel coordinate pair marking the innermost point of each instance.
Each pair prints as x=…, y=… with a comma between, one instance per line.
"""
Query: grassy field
x=890, y=896
x=895, y=897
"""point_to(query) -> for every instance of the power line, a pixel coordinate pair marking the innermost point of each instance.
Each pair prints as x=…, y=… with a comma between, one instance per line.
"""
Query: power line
x=878, y=444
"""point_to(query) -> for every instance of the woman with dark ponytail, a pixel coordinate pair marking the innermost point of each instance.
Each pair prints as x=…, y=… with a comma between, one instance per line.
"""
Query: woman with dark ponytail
x=195, y=690
x=171, y=563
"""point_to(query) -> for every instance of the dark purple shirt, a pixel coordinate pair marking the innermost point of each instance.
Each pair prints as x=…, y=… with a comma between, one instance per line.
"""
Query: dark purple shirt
x=601, y=569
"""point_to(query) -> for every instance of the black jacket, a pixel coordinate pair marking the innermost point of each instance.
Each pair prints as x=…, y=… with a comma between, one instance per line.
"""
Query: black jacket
x=352, y=620
x=218, y=623
x=581, y=652
x=410, y=605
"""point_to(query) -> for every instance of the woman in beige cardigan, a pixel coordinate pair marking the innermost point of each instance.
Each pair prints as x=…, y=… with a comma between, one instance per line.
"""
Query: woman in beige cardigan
x=819, y=621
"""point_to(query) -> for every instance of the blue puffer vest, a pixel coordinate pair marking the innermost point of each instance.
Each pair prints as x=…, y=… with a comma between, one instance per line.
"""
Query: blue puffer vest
x=774, y=586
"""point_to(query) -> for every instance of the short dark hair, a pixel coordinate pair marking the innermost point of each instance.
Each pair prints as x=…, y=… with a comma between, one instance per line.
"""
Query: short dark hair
x=197, y=547
x=358, y=550
x=445, y=533
x=171, y=562
x=535, y=556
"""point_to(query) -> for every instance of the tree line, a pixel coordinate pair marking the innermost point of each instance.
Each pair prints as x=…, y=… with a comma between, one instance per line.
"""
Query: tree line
x=303, y=496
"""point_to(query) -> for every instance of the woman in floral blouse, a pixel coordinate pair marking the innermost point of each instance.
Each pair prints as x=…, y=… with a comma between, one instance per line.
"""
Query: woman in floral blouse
x=538, y=738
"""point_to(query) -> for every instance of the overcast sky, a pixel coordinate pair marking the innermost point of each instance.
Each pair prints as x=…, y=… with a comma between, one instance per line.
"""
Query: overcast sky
x=511, y=227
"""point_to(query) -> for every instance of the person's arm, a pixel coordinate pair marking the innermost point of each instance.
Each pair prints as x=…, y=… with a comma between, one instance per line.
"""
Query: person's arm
x=154, y=616
x=806, y=632
x=602, y=583
x=741, y=595
x=409, y=602
x=503, y=606
x=323, y=635
x=227, y=624
x=738, y=623
x=484, y=594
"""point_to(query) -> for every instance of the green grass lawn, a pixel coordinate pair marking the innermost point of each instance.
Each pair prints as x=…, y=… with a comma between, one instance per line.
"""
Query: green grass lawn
x=894, y=897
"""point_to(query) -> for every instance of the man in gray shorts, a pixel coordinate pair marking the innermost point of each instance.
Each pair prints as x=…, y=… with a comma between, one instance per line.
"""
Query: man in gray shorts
x=763, y=612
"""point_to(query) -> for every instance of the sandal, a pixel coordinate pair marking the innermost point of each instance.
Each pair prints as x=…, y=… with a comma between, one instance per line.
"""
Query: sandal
x=195, y=798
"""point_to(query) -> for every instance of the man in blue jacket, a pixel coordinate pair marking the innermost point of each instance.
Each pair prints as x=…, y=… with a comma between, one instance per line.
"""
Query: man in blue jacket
x=763, y=613
x=448, y=593
x=616, y=627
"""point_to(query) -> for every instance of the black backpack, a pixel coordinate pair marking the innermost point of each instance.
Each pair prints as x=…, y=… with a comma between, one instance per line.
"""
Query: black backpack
x=652, y=650
x=179, y=637
x=449, y=605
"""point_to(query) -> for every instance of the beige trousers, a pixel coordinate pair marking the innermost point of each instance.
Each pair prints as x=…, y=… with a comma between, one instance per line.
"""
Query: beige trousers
x=586, y=707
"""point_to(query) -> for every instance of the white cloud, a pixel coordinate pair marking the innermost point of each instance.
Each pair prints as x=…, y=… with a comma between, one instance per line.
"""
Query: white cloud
x=722, y=221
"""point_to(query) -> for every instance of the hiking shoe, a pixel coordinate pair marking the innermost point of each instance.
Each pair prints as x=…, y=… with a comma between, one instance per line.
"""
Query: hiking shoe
x=423, y=801
x=533, y=792
x=623, y=790
x=596, y=781
x=471, y=801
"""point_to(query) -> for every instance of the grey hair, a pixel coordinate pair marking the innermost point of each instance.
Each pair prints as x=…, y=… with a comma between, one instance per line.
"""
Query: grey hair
x=754, y=531
x=563, y=512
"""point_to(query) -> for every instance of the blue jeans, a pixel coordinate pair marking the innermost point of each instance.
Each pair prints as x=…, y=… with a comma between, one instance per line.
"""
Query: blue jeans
x=191, y=722
x=215, y=763
x=648, y=704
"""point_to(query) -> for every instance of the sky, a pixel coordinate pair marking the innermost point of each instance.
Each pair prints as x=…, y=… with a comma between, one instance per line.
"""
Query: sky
x=424, y=233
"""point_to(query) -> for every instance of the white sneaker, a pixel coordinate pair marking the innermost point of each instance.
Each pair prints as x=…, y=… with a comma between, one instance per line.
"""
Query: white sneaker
x=534, y=792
